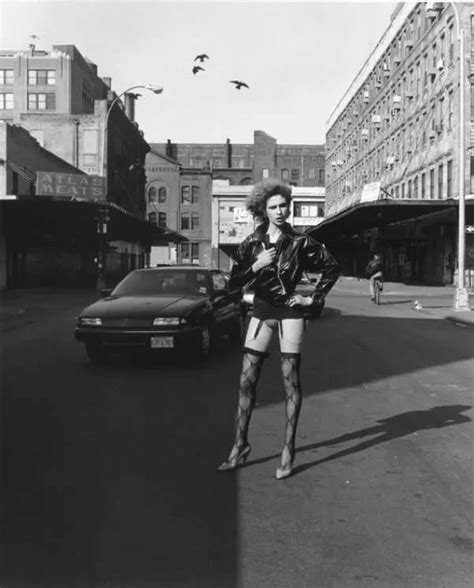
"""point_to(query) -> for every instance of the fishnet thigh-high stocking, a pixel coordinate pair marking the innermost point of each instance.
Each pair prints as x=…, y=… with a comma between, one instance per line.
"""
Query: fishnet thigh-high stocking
x=251, y=366
x=290, y=369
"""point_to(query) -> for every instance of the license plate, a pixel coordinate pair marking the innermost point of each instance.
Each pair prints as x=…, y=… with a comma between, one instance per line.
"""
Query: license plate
x=162, y=342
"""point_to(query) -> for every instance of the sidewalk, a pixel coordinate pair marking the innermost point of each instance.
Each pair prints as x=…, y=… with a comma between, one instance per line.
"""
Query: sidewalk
x=28, y=305
x=434, y=300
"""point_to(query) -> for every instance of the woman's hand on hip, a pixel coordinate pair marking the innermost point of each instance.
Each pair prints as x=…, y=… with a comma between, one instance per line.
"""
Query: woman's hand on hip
x=266, y=257
x=299, y=300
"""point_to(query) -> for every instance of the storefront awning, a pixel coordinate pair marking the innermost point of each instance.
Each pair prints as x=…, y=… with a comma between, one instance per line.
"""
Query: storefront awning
x=366, y=215
x=37, y=219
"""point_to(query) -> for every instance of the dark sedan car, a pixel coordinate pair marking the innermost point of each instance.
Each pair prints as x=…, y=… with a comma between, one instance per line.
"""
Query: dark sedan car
x=174, y=307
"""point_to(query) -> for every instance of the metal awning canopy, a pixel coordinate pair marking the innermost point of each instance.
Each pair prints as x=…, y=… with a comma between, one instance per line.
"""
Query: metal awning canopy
x=34, y=218
x=366, y=215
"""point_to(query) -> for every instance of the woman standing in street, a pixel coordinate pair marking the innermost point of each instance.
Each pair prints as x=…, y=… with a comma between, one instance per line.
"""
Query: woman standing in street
x=271, y=262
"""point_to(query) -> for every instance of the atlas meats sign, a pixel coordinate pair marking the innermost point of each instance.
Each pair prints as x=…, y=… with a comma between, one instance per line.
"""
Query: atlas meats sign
x=73, y=185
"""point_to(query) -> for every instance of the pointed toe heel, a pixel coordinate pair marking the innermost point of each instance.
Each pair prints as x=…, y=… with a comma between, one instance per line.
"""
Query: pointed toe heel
x=283, y=473
x=235, y=461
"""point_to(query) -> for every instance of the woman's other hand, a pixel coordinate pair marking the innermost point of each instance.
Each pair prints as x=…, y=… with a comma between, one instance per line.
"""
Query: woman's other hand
x=266, y=257
x=299, y=300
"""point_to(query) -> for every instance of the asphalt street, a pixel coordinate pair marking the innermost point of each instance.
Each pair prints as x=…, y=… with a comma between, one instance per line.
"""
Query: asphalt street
x=109, y=474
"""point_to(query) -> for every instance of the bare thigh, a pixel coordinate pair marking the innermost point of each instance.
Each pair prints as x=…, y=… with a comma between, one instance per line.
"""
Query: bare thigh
x=260, y=333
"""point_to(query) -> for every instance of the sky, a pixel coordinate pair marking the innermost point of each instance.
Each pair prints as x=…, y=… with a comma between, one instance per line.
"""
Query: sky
x=298, y=59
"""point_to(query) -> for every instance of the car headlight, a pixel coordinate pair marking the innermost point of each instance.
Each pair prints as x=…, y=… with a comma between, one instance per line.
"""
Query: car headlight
x=87, y=321
x=168, y=320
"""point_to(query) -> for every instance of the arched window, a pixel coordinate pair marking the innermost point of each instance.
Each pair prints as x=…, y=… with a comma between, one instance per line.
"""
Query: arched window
x=152, y=217
x=152, y=194
x=162, y=195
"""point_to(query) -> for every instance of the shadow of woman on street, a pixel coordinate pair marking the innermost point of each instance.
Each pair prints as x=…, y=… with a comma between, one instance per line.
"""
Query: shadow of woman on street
x=394, y=427
x=389, y=428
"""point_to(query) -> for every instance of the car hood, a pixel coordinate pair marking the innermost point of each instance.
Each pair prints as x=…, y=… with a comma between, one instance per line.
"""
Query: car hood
x=143, y=306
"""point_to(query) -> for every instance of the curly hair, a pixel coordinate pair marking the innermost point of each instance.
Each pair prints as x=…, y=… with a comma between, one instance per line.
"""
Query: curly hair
x=256, y=202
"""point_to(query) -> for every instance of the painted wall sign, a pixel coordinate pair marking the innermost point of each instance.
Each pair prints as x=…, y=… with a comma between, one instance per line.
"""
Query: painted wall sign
x=73, y=185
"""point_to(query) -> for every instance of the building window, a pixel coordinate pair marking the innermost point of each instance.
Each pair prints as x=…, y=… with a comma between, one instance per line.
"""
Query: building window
x=451, y=110
x=449, y=179
x=152, y=195
x=161, y=195
x=451, y=43
x=6, y=77
x=409, y=189
x=295, y=174
x=6, y=101
x=440, y=181
x=41, y=101
x=190, y=252
x=306, y=210
x=415, y=187
x=162, y=219
x=432, y=183
x=403, y=190
x=312, y=173
x=152, y=217
x=321, y=175
x=195, y=194
x=423, y=185
x=41, y=77
x=189, y=221
x=185, y=195
x=217, y=163
x=265, y=173
x=285, y=174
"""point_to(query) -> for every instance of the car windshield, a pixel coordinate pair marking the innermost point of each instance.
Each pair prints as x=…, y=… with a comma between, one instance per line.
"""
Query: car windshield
x=163, y=281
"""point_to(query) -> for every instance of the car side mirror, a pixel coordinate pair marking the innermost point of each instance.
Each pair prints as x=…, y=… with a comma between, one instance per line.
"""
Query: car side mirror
x=104, y=292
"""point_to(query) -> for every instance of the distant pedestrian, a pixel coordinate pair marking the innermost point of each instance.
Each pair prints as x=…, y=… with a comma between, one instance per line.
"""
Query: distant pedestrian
x=374, y=271
x=271, y=262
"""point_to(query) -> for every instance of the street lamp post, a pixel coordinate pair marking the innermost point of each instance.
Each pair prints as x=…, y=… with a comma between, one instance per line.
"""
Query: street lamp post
x=102, y=227
x=461, y=296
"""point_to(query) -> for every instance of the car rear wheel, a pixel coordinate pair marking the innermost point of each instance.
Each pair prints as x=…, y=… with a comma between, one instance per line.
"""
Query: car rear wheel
x=238, y=329
x=96, y=354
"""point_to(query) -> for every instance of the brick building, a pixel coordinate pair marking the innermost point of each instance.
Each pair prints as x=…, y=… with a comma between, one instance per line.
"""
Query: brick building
x=58, y=97
x=392, y=148
x=180, y=179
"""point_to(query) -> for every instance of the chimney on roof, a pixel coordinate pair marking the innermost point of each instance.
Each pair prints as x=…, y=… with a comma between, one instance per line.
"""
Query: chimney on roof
x=130, y=105
x=229, y=153
x=171, y=150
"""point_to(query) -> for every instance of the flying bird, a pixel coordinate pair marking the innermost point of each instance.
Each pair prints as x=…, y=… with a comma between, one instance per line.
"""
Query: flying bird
x=34, y=37
x=238, y=84
x=197, y=68
x=202, y=57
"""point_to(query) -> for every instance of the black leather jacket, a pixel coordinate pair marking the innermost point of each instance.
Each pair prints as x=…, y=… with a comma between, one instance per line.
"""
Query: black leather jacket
x=296, y=253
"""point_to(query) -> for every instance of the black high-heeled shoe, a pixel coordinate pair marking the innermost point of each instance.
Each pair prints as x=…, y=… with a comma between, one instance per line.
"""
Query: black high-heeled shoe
x=234, y=462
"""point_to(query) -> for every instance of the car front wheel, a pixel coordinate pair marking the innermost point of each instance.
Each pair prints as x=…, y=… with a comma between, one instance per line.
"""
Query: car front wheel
x=204, y=342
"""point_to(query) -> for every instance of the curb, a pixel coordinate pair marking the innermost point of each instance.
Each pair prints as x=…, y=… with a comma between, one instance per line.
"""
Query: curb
x=460, y=320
